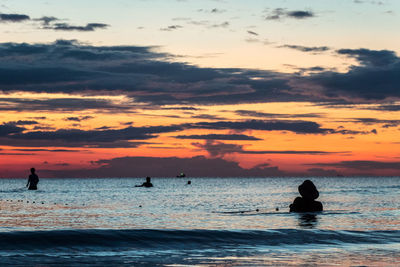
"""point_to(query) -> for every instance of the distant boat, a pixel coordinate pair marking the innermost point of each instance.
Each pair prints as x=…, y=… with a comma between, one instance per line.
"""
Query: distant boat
x=181, y=175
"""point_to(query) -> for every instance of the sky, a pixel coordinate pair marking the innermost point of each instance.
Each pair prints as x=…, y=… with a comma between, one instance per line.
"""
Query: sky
x=217, y=88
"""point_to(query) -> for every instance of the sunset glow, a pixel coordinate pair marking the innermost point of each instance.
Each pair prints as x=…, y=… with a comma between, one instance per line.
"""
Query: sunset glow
x=278, y=87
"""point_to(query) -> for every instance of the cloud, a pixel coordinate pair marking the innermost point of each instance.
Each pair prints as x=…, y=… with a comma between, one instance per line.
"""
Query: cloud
x=212, y=11
x=281, y=13
x=13, y=135
x=367, y=57
x=67, y=27
x=373, y=121
x=172, y=28
x=147, y=76
x=386, y=107
x=376, y=78
x=219, y=137
x=251, y=113
x=23, y=122
x=207, y=117
x=300, y=14
x=46, y=20
x=7, y=129
x=13, y=18
x=361, y=165
x=299, y=127
x=252, y=33
x=218, y=149
x=47, y=150
x=312, y=49
x=166, y=167
x=62, y=104
x=79, y=119
x=224, y=24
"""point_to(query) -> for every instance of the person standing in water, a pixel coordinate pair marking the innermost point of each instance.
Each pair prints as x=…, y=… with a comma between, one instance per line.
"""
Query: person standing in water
x=33, y=180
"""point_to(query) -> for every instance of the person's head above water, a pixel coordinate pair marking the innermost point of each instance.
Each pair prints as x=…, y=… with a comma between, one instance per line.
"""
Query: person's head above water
x=308, y=190
x=33, y=170
x=148, y=179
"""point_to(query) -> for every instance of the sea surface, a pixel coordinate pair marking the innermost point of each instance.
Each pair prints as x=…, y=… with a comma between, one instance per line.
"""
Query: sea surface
x=212, y=222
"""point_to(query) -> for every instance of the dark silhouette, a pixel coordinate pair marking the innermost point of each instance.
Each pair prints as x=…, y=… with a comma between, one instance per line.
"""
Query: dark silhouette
x=189, y=182
x=181, y=175
x=306, y=203
x=33, y=180
x=146, y=184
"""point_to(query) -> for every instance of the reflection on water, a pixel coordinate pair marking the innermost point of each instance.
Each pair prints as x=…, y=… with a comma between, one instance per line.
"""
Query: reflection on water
x=308, y=220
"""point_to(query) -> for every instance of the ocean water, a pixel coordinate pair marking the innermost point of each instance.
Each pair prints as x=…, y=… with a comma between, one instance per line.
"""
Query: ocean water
x=212, y=222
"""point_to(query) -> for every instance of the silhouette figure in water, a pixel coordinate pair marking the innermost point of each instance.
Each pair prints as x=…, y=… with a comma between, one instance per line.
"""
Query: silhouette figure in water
x=33, y=180
x=306, y=203
x=146, y=184
x=189, y=182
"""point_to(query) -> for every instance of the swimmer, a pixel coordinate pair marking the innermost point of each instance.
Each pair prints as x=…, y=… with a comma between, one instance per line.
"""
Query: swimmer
x=146, y=184
x=306, y=203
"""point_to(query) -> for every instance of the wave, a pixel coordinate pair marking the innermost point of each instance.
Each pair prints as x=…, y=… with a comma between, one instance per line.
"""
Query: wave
x=186, y=239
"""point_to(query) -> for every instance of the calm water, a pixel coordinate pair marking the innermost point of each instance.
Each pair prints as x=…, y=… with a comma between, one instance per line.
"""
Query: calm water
x=211, y=222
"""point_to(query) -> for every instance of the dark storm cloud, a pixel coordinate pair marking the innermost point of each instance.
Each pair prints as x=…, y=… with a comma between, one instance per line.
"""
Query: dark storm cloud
x=13, y=17
x=148, y=76
x=68, y=27
x=219, y=137
x=7, y=129
x=281, y=13
x=377, y=58
x=312, y=49
x=361, y=165
x=167, y=167
x=376, y=78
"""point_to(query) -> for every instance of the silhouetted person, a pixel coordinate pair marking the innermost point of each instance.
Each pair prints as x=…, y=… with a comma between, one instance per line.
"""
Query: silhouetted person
x=189, y=182
x=146, y=184
x=33, y=180
x=306, y=203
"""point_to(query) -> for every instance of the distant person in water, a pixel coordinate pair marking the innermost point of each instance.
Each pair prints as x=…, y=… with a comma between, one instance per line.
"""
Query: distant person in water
x=306, y=203
x=33, y=180
x=189, y=182
x=146, y=184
